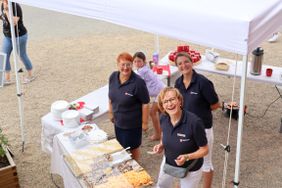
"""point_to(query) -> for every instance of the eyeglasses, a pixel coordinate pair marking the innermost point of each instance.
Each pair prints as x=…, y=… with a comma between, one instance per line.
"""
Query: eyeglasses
x=127, y=65
x=172, y=100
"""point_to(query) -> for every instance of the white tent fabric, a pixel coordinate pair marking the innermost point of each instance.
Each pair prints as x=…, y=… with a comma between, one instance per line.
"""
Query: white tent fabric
x=235, y=26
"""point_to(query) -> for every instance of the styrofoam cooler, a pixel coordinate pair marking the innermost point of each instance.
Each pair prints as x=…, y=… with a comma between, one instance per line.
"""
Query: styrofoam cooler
x=71, y=118
x=58, y=107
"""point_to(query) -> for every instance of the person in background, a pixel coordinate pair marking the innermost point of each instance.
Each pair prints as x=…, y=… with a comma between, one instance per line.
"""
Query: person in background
x=201, y=99
x=154, y=86
x=128, y=104
x=183, y=140
x=21, y=35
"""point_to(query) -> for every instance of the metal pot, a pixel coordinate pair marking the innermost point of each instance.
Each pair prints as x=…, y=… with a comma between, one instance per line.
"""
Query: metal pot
x=232, y=106
x=226, y=108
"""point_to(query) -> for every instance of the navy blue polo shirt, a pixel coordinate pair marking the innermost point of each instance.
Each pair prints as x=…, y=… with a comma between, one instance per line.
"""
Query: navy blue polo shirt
x=185, y=137
x=127, y=100
x=198, y=97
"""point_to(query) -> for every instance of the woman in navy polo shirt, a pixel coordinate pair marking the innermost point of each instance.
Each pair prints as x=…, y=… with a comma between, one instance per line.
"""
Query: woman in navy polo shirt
x=200, y=98
x=183, y=140
x=128, y=104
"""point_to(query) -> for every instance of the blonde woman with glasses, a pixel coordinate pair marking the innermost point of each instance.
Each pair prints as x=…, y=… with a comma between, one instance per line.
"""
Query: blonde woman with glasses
x=183, y=141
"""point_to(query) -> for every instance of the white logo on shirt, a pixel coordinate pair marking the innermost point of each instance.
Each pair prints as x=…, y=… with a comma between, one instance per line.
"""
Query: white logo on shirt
x=128, y=94
x=193, y=93
x=184, y=140
x=181, y=135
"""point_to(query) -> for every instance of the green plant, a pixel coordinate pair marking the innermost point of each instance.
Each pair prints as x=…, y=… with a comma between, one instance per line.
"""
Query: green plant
x=3, y=143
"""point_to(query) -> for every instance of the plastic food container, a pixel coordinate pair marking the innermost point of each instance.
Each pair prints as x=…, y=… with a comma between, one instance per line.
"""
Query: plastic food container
x=79, y=138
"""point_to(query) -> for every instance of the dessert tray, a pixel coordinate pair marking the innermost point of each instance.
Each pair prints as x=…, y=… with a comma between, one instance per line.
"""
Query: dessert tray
x=128, y=174
x=81, y=160
x=106, y=165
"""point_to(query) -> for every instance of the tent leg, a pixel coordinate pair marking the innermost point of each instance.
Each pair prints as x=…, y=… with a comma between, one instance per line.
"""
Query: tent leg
x=23, y=146
x=241, y=120
x=157, y=44
x=15, y=56
x=280, y=131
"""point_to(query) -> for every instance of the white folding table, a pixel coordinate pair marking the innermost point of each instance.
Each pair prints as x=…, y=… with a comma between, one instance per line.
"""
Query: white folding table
x=51, y=127
x=208, y=66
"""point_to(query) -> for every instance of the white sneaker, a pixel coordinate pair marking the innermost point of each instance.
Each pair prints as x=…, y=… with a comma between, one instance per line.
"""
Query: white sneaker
x=273, y=38
x=28, y=79
x=8, y=82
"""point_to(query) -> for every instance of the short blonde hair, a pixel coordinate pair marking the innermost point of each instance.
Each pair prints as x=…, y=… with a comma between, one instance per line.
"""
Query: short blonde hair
x=163, y=93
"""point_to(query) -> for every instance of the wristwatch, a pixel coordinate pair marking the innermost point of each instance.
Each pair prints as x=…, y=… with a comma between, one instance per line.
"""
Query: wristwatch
x=187, y=157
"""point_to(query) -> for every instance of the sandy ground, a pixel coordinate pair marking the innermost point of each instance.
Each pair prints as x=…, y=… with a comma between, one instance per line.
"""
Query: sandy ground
x=73, y=56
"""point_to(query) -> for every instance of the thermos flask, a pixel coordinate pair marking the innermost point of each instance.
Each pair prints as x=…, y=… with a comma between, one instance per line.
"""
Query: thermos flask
x=256, y=62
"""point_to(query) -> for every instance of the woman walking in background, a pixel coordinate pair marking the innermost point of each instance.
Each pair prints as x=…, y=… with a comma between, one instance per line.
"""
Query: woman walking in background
x=21, y=35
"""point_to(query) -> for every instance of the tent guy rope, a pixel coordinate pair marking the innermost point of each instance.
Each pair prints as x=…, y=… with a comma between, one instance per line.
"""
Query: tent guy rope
x=227, y=146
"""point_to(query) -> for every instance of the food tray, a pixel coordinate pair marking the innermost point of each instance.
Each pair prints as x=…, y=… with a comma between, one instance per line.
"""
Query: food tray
x=222, y=66
x=81, y=160
x=128, y=174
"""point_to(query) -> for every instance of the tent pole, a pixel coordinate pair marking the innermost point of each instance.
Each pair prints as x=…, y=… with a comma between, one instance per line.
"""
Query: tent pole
x=15, y=56
x=241, y=120
x=157, y=44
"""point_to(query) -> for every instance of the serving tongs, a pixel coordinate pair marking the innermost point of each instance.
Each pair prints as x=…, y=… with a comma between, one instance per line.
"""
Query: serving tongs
x=120, y=156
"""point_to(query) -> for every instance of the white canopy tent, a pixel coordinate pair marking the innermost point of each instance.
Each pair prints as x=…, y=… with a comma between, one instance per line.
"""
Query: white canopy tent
x=235, y=26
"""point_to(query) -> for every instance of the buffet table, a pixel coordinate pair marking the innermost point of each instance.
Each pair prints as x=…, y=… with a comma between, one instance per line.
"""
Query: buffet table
x=94, y=161
x=208, y=66
x=62, y=146
x=51, y=127
x=58, y=165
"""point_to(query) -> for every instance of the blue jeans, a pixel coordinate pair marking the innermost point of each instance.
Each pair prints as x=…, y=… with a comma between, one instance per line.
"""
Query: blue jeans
x=7, y=49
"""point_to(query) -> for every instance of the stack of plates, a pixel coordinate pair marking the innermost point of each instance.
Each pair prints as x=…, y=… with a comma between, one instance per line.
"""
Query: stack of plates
x=58, y=107
x=71, y=118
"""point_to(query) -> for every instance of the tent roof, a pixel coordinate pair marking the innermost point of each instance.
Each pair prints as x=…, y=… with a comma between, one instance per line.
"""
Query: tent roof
x=236, y=26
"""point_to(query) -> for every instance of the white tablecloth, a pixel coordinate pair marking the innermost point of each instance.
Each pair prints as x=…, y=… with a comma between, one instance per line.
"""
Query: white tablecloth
x=58, y=165
x=51, y=127
x=207, y=66
x=63, y=146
